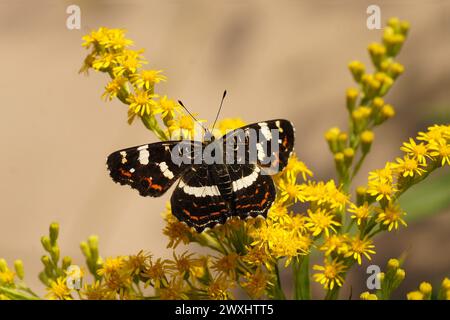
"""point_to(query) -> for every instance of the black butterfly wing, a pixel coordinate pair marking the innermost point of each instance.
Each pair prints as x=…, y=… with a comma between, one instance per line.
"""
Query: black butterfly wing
x=254, y=192
x=148, y=168
x=197, y=200
x=267, y=144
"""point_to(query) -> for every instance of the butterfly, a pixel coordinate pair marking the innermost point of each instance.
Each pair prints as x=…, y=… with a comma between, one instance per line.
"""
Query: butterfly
x=208, y=193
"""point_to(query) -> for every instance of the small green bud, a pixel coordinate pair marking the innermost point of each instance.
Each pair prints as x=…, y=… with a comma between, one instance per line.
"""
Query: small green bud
x=46, y=261
x=377, y=52
x=54, y=253
x=357, y=69
x=367, y=138
x=349, y=154
x=3, y=265
x=66, y=262
x=331, y=136
x=18, y=266
x=54, y=231
x=85, y=249
x=351, y=97
x=361, y=195
x=45, y=241
x=426, y=289
x=393, y=264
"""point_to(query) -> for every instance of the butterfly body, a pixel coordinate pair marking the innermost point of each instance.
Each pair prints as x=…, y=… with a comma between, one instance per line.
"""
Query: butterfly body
x=210, y=188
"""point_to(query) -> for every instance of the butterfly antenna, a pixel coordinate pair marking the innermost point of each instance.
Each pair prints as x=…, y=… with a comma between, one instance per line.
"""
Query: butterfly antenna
x=181, y=104
x=220, y=108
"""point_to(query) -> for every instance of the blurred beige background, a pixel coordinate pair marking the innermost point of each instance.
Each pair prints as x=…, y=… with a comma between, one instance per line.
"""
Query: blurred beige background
x=277, y=59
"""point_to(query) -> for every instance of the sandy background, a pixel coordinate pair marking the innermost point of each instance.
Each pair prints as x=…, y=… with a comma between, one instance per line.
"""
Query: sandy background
x=278, y=59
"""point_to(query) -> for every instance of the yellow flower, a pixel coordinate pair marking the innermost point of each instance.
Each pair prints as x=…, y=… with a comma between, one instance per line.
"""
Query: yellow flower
x=176, y=231
x=368, y=296
x=168, y=107
x=156, y=272
x=7, y=277
x=115, y=39
x=391, y=216
x=184, y=127
x=228, y=124
x=331, y=275
x=105, y=61
x=142, y=102
x=97, y=291
x=381, y=188
x=113, y=88
x=296, y=167
x=408, y=167
x=175, y=290
x=256, y=283
x=417, y=151
x=147, y=78
x=325, y=194
x=183, y=264
x=360, y=213
x=137, y=263
x=335, y=243
x=128, y=61
x=226, y=265
x=95, y=37
x=384, y=174
x=290, y=191
x=415, y=295
x=111, y=265
x=278, y=213
x=321, y=221
x=441, y=149
x=58, y=290
x=257, y=256
x=218, y=289
x=360, y=247
x=434, y=133
x=279, y=241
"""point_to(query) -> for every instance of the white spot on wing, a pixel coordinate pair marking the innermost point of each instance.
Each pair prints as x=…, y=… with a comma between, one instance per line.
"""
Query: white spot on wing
x=165, y=170
x=246, y=181
x=265, y=130
x=124, y=156
x=261, y=153
x=144, y=155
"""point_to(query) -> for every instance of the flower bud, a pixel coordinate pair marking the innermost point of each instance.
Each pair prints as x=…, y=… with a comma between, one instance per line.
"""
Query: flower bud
x=351, y=97
x=349, y=154
x=367, y=138
x=331, y=136
x=377, y=52
x=66, y=262
x=360, y=195
x=393, y=264
x=85, y=249
x=357, y=69
x=54, y=231
x=426, y=289
x=342, y=141
x=18, y=266
x=46, y=261
x=45, y=241
x=339, y=161
x=378, y=103
x=415, y=295
x=54, y=253
x=368, y=296
x=3, y=265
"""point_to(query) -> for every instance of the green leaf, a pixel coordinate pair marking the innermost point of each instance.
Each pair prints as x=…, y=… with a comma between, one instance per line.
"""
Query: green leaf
x=427, y=198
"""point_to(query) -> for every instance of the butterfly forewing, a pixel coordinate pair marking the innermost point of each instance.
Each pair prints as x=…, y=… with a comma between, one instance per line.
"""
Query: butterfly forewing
x=147, y=168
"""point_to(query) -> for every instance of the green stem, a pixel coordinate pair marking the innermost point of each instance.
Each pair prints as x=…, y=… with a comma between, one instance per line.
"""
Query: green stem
x=278, y=290
x=300, y=268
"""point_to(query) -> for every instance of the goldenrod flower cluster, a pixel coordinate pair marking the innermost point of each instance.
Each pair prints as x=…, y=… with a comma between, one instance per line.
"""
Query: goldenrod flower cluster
x=247, y=258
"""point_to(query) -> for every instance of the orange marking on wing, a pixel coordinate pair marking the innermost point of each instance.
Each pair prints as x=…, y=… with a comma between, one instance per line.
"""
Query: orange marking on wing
x=125, y=173
x=285, y=141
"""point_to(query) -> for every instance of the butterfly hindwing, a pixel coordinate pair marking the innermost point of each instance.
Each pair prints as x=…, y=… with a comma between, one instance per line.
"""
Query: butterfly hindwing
x=197, y=200
x=254, y=192
x=147, y=168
